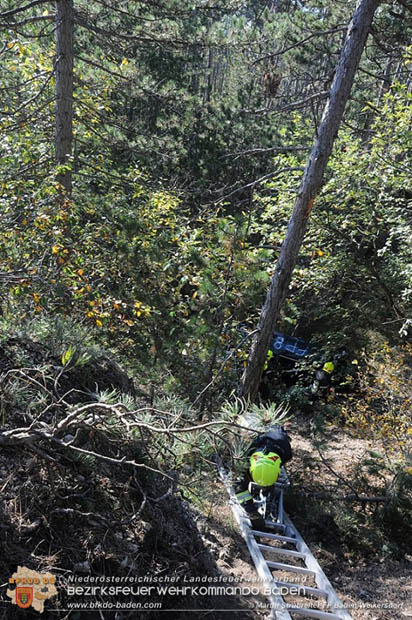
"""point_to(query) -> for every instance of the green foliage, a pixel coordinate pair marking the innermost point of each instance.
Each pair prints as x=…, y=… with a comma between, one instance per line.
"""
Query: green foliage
x=67, y=355
x=353, y=272
x=384, y=409
x=192, y=126
x=166, y=246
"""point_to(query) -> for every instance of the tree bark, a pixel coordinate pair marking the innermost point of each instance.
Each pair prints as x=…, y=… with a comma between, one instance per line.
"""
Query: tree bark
x=64, y=95
x=312, y=180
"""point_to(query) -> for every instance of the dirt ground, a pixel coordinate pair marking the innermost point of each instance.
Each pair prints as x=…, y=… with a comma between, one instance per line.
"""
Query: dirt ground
x=76, y=516
x=371, y=588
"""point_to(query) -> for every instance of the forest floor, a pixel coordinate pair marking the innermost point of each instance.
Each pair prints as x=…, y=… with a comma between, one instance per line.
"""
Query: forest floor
x=81, y=518
x=371, y=587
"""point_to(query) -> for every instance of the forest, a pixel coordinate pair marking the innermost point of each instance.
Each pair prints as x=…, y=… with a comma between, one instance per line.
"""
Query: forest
x=154, y=156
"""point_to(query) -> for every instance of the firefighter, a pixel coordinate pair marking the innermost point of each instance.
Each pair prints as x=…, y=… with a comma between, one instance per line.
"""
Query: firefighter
x=266, y=455
x=322, y=382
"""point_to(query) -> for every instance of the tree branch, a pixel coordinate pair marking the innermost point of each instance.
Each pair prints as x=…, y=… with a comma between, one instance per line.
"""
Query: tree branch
x=262, y=151
x=299, y=43
x=23, y=8
x=30, y=20
x=347, y=498
x=407, y=6
x=323, y=94
x=271, y=175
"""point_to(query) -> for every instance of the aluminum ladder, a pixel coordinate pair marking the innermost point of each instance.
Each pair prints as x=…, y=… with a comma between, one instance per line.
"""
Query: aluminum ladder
x=275, y=555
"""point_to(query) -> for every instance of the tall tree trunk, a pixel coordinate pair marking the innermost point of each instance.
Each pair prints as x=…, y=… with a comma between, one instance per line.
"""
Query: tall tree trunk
x=312, y=180
x=64, y=94
x=209, y=77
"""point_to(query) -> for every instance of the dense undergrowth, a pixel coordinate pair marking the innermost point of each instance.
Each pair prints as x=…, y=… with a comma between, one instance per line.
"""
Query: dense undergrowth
x=91, y=473
x=101, y=475
x=136, y=294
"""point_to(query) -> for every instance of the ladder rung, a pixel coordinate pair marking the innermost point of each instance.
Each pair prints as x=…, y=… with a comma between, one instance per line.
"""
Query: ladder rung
x=286, y=552
x=274, y=536
x=275, y=524
x=313, y=613
x=301, y=590
x=285, y=531
x=291, y=568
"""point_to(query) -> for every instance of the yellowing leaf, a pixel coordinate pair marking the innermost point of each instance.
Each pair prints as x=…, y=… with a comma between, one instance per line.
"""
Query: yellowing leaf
x=67, y=355
x=99, y=323
x=55, y=249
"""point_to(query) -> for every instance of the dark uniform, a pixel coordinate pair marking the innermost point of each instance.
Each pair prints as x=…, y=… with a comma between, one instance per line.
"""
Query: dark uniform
x=322, y=382
x=274, y=440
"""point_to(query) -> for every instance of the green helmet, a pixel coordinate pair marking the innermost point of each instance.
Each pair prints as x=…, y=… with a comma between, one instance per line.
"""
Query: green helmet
x=329, y=367
x=265, y=468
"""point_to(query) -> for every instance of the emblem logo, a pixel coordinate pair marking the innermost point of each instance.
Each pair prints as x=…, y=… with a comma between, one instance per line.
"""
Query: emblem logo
x=32, y=589
x=24, y=597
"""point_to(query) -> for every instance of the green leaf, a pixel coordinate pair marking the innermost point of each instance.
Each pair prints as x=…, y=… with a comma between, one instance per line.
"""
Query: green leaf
x=67, y=355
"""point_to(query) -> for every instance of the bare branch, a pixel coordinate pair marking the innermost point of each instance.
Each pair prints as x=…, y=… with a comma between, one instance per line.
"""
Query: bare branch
x=323, y=94
x=300, y=43
x=34, y=113
x=73, y=511
x=347, y=498
x=405, y=4
x=29, y=20
x=262, y=151
x=253, y=184
x=338, y=476
x=82, y=21
x=37, y=95
x=12, y=12
x=15, y=276
x=102, y=67
x=225, y=361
